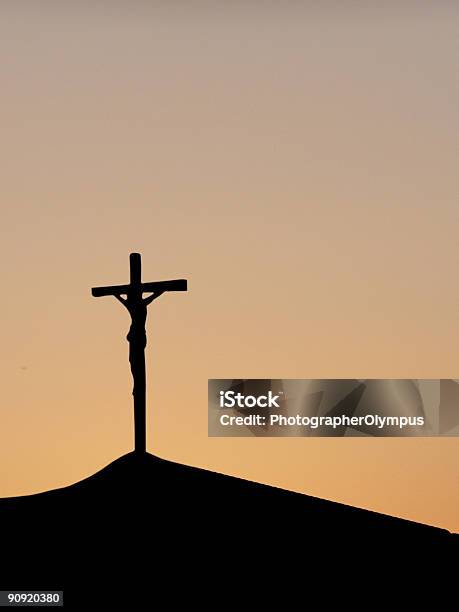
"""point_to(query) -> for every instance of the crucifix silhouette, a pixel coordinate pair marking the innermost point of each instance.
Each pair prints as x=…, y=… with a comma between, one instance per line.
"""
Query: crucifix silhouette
x=136, y=304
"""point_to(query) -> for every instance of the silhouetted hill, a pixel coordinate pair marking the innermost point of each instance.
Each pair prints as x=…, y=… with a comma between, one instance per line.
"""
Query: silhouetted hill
x=145, y=525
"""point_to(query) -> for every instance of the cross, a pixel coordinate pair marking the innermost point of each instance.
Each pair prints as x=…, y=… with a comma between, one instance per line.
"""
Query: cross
x=136, y=304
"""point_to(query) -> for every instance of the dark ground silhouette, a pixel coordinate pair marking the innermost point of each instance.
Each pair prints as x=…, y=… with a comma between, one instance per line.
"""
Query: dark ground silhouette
x=144, y=527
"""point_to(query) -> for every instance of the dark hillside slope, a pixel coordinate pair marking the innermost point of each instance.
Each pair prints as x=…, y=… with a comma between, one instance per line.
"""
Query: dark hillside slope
x=144, y=525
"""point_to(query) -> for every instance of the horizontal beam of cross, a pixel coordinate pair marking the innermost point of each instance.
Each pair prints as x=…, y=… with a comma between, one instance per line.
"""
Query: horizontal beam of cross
x=167, y=285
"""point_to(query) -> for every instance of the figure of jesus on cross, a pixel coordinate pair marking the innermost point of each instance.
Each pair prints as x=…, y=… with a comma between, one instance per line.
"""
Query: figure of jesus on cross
x=136, y=305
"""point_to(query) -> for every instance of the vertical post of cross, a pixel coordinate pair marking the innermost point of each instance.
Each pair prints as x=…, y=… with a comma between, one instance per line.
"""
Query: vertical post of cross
x=137, y=342
x=135, y=265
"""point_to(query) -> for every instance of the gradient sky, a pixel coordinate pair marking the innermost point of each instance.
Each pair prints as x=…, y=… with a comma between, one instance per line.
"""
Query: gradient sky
x=297, y=162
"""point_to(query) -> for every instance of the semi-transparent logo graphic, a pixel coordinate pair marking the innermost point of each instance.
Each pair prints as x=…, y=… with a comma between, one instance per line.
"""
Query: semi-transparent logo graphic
x=333, y=407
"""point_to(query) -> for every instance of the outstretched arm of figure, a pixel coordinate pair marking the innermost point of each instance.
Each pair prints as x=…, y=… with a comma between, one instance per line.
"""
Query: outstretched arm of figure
x=122, y=300
x=150, y=298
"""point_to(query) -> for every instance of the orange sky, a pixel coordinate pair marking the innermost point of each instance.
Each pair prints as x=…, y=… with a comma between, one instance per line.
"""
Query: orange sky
x=297, y=163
